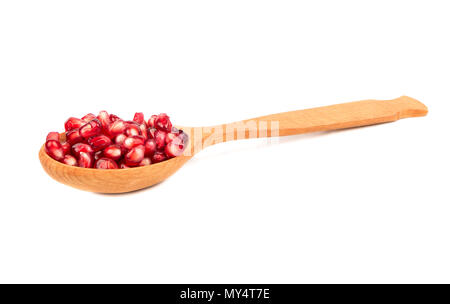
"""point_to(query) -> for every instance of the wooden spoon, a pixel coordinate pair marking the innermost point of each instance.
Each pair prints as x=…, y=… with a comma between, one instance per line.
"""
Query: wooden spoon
x=340, y=116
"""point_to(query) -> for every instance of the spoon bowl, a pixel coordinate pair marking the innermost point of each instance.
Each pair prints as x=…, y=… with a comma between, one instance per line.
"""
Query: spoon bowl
x=110, y=181
x=334, y=117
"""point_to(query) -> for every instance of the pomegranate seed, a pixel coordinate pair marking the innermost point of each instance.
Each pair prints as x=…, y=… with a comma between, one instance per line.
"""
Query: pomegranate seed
x=92, y=128
x=177, y=146
x=114, y=118
x=132, y=130
x=173, y=149
x=143, y=129
x=73, y=123
x=108, y=142
x=170, y=137
x=66, y=148
x=151, y=132
x=139, y=118
x=53, y=136
x=103, y=117
x=113, y=152
x=135, y=156
x=145, y=162
x=151, y=121
x=89, y=117
x=106, y=163
x=162, y=122
x=120, y=139
x=74, y=136
x=99, y=142
x=160, y=139
x=70, y=160
x=150, y=147
x=85, y=160
x=78, y=148
x=133, y=141
x=183, y=137
x=117, y=127
x=54, y=149
x=158, y=157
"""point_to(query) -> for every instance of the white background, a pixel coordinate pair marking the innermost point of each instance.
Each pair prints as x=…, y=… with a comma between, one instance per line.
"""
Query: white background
x=363, y=205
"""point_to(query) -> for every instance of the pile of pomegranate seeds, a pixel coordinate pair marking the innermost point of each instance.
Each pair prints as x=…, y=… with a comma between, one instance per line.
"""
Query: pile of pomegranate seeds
x=109, y=142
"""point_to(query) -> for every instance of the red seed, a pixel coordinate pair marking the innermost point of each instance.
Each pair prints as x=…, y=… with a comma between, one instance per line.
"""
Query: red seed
x=183, y=137
x=145, y=162
x=53, y=136
x=160, y=139
x=120, y=139
x=143, y=128
x=151, y=132
x=85, y=160
x=170, y=137
x=66, y=148
x=135, y=156
x=89, y=117
x=80, y=147
x=92, y=128
x=103, y=117
x=150, y=147
x=117, y=127
x=113, y=152
x=131, y=122
x=151, y=121
x=74, y=136
x=73, y=123
x=114, y=118
x=70, y=160
x=158, y=157
x=162, y=122
x=99, y=142
x=178, y=143
x=54, y=149
x=133, y=141
x=132, y=130
x=173, y=149
x=106, y=163
x=139, y=118
x=106, y=141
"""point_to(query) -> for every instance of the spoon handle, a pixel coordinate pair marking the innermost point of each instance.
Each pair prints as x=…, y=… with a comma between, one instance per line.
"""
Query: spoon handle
x=334, y=117
x=341, y=116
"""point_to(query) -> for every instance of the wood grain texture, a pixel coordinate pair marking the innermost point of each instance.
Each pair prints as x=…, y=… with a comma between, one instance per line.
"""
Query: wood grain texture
x=341, y=116
x=334, y=117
